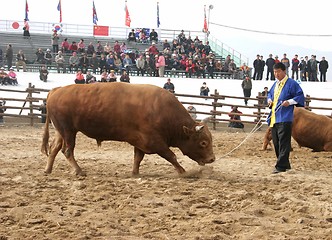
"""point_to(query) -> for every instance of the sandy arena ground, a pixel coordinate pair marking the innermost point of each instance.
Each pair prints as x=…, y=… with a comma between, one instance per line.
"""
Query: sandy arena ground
x=236, y=197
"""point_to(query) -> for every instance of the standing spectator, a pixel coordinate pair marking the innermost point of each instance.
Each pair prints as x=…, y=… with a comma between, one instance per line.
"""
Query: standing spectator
x=153, y=36
x=169, y=86
x=79, y=77
x=284, y=94
x=257, y=67
x=286, y=62
x=90, y=49
x=312, y=68
x=269, y=64
x=276, y=59
x=192, y=111
x=43, y=74
x=204, y=91
x=81, y=46
x=246, y=86
x=21, y=61
x=235, y=115
x=262, y=63
x=181, y=37
x=295, y=67
x=303, y=68
x=74, y=62
x=207, y=48
x=12, y=78
x=60, y=62
x=160, y=64
x=9, y=55
x=84, y=63
x=94, y=63
x=140, y=65
x=125, y=77
x=48, y=57
x=65, y=46
x=26, y=29
x=55, y=41
x=132, y=36
x=323, y=66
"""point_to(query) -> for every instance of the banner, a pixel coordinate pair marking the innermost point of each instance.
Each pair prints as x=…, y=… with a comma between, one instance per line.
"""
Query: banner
x=205, y=28
x=158, y=21
x=100, y=30
x=60, y=10
x=128, y=20
x=26, y=10
x=94, y=14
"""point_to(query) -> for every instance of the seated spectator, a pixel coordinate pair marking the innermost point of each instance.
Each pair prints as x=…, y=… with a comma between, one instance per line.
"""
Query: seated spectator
x=43, y=74
x=111, y=76
x=142, y=36
x=207, y=48
x=245, y=70
x=3, y=76
x=140, y=65
x=94, y=63
x=132, y=36
x=90, y=49
x=74, y=62
x=48, y=57
x=200, y=68
x=190, y=68
x=181, y=37
x=60, y=62
x=79, y=77
x=124, y=77
x=204, y=91
x=192, y=111
x=73, y=47
x=84, y=63
x=166, y=44
x=102, y=63
x=99, y=48
x=12, y=78
x=21, y=61
x=153, y=50
x=117, y=48
x=107, y=48
x=89, y=78
x=127, y=63
x=235, y=115
x=103, y=76
x=169, y=86
x=81, y=46
x=110, y=61
x=232, y=68
x=210, y=68
x=123, y=47
x=153, y=36
x=65, y=46
x=40, y=56
x=218, y=66
x=117, y=63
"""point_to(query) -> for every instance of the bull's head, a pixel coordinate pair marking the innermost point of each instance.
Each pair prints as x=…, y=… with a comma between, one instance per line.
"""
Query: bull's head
x=198, y=145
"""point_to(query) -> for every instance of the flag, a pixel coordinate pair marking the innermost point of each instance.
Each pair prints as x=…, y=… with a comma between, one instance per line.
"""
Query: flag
x=100, y=30
x=94, y=14
x=127, y=22
x=158, y=21
x=60, y=10
x=26, y=10
x=205, y=28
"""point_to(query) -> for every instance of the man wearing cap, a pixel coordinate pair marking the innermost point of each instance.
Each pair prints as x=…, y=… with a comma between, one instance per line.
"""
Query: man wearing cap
x=60, y=62
x=169, y=86
x=48, y=57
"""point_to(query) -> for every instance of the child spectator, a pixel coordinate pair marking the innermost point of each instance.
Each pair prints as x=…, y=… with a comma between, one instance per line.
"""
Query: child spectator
x=79, y=77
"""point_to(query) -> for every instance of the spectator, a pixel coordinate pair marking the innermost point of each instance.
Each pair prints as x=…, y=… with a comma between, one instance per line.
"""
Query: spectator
x=125, y=77
x=265, y=94
x=21, y=61
x=286, y=62
x=160, y=64
x=207, y=48
x=3, y=77
x=94, y=63
x=190, y=68
x=127, y=63
x=90, y=49
x=1, y=58
x=303, y=68
x=110, y=61
x=81, y=46
x=102, y=63
x=153, y=36
x=192, y=111
x=111, y=77
x=235, y=115
x=312, y=68
x=232, y=68
x=60, y=62
x=210, y=68
x=9, y=56
x=12, y=78
x=79, y=77
x=65, y=46
x=74, y=62
x=89, y=78
x=43, y=110
x=84, y=63
x=276, y=59
x=245, y=70
x=43, y=74
x=48, y=57
x=117, y=48
x=181, y=37
x=257, y=68
x=140, y=65
x=295, y=67
x=153, y=50
x=73, y=47
x=123, y=47
x=2, y=110
x=142, y=36
x=40, y=56
x=103, y=76
x=262, y=66
x=132, y=36
x=117, y=63
x=323, y=66
x=204, y=91
x=169, y=86
x=99, y=48
x=26, y=29
x=200, y=68
x=55, y=41
x=166, y=44
x=246, y=86
x=269, y=64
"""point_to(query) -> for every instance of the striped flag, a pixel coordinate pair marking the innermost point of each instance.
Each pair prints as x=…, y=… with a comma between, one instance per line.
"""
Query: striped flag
x=60, y=10
x=94, y=14
x=128, y=20
x=26, y=10
x=158, y=21
x=205, y=28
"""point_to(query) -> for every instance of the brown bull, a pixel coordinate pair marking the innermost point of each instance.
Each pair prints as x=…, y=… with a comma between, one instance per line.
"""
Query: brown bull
x=309, y=130
x=148, y=117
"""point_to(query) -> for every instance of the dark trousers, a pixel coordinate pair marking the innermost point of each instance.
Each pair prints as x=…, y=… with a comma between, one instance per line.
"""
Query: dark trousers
x=281, y=137
x=323, y=76
x=271, y=73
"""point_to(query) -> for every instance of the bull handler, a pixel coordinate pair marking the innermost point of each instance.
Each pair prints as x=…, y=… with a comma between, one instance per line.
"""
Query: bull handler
x=284, y=94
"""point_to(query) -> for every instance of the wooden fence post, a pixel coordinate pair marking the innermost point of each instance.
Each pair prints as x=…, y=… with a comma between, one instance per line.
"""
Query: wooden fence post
x=30, y=103
x=215, y=100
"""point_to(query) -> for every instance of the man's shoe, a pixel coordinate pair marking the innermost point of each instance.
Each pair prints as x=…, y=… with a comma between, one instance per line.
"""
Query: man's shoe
x=278, y=170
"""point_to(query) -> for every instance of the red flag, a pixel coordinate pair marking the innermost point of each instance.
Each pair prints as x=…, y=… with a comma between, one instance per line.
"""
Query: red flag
x=100, y=30
x=205, y=28
x=127, y=23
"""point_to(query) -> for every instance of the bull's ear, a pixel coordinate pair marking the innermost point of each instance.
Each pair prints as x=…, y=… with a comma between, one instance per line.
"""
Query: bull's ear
x=199, y=128
x=187, y=131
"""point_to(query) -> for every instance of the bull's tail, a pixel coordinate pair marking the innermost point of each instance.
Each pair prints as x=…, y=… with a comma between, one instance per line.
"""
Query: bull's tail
x=45, y=147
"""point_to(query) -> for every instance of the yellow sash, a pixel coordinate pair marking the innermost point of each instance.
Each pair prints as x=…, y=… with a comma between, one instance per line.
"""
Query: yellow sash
x=277, y=91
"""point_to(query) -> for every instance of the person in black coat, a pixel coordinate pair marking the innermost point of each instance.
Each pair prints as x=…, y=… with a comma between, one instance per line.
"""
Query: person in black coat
x=323, y=66
x=257, y=68
x=269, y=64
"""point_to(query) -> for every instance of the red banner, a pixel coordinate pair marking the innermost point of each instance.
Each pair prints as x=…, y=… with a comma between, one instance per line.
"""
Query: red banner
x=128, y=20
x=100, y=30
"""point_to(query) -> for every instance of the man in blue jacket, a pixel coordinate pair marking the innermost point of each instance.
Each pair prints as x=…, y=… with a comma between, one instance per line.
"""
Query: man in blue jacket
x=284, y=94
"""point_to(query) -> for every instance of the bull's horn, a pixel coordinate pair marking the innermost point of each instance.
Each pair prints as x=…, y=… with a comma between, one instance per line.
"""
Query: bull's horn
x=198, y=128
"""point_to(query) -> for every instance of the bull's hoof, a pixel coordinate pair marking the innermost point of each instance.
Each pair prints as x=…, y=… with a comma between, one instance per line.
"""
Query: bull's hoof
x=47, y=171
x=80, y=173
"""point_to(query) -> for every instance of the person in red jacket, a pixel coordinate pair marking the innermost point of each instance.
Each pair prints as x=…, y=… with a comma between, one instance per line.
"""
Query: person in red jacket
x=79, y=77
x=190, y=68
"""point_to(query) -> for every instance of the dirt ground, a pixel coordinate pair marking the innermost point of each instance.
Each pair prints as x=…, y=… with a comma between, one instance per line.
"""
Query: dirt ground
x=236, y=197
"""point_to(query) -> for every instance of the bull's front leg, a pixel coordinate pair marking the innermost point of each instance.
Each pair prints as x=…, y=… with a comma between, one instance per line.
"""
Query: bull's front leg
x=170, y=157
x=138, y=157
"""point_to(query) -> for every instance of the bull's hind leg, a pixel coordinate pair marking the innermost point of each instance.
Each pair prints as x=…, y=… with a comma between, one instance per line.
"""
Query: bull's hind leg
x=54, y=149
x=68, y=151
x=170, y=156
x=138, y=157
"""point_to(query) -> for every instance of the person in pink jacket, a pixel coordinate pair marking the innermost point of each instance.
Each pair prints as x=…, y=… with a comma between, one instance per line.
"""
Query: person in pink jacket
x=160, y=64
x=12, y=78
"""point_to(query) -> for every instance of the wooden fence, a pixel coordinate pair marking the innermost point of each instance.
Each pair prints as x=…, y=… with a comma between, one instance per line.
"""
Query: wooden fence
x=29, y=106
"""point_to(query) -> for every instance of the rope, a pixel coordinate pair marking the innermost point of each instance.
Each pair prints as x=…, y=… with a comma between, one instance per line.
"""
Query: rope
x=254, y=129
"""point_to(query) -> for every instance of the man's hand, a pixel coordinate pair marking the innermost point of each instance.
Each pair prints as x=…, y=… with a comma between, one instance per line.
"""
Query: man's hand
x=285, y=104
